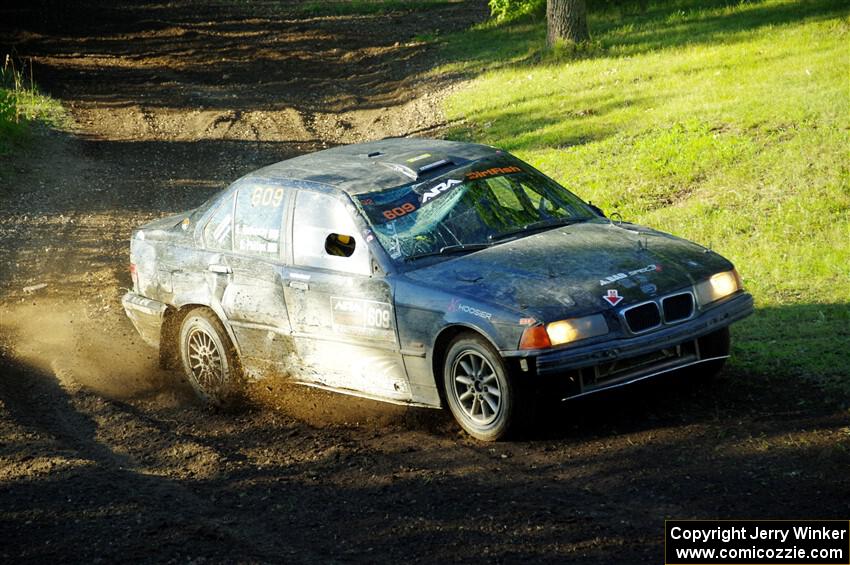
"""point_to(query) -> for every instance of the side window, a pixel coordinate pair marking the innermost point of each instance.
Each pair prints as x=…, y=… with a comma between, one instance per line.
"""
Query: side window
x=257, y=220
x=218, y=233
x=325, y=236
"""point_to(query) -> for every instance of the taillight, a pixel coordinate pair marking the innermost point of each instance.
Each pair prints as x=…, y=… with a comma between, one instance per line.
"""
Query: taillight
x=534, y=337
x=135, y=276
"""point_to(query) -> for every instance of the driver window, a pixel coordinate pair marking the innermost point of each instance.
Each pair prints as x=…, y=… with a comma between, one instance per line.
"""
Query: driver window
x=325, y=236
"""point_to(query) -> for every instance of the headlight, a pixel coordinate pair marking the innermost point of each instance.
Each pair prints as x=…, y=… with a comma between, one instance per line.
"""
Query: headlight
x=566, y=331
x=718, y=286
x=563, y=331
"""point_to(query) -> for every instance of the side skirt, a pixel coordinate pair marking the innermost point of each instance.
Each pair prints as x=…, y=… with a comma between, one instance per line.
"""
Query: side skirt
x=365, y=395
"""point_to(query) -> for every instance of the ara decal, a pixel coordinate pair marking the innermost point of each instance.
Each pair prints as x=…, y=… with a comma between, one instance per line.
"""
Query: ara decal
x=361, y=313
x=619, y=276
x=439, y=189
x=613, y=297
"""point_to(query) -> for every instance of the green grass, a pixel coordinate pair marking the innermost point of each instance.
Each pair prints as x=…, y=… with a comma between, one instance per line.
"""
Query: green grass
x=21, y=104
x=724, y=124
x=367, y=7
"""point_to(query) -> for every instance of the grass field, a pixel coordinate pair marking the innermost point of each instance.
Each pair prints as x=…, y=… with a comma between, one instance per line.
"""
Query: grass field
x=725, y=124
x=21, y=104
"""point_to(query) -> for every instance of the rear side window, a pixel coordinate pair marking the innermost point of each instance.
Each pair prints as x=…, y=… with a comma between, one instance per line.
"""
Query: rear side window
x=218, y=233
x=257, y=220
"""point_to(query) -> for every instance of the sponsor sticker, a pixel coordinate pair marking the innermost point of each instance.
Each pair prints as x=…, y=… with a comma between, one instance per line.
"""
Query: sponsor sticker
x=613, y=297
x=457, y=306
x=356, y=312
x=620, y=276
x=418, y=158
x=439, y=189
x=475, y=175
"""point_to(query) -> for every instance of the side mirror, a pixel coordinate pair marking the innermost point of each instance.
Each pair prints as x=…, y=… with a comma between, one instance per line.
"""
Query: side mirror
x=596, y=209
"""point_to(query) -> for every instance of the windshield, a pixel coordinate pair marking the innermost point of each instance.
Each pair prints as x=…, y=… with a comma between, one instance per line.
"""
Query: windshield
x=468, y=209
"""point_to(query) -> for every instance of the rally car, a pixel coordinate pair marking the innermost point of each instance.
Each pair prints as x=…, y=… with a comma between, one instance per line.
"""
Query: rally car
x=428, y=273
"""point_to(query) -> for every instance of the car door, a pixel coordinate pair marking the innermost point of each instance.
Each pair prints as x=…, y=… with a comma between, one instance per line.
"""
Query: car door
x=250, y=274
x=342, y=316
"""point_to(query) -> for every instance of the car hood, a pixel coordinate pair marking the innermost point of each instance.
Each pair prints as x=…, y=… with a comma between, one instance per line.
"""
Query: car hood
x=568, y=271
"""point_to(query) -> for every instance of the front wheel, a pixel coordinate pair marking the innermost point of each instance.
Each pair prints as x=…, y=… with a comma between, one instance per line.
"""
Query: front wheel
x=480, y=393
x=209, y=360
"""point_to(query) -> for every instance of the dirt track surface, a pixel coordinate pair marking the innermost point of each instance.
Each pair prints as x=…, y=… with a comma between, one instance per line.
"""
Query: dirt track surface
x=105, y=457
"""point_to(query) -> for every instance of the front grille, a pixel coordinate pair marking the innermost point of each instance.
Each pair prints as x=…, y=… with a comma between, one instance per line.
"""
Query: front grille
x=643, y=317
x=678, y=307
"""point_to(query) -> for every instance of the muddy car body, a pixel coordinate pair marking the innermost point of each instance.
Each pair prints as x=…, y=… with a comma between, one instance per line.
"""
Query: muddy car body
x=429, y=273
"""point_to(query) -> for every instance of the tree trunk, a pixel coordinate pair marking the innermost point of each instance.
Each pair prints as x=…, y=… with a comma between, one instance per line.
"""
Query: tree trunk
x=566, y=20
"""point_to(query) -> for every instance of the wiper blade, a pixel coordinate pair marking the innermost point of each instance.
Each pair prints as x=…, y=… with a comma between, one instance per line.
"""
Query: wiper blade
x=458, y=248
x=537, y=226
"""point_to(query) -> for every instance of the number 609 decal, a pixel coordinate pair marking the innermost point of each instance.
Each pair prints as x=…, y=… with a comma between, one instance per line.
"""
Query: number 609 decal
x=267, y=197
x=399, y=211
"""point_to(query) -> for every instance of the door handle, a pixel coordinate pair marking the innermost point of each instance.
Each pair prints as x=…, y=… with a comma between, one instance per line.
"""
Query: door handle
x=221, y=269
x=298, y=285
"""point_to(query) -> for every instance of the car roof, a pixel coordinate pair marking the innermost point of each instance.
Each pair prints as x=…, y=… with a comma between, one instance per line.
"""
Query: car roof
x=378, y=165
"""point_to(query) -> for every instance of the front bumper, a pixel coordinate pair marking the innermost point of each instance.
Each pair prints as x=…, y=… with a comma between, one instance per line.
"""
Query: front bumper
x=677, y=339
x=146, y=315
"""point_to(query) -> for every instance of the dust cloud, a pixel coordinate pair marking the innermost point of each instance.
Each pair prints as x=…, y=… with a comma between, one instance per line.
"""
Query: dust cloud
x=99, y=350
x=83, y=348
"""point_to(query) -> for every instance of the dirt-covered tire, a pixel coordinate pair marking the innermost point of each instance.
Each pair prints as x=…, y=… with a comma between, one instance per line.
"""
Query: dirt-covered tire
x=715, y=344
x=208, y=358
x=480, y=392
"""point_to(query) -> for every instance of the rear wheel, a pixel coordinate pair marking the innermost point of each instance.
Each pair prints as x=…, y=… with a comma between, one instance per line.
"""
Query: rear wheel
x=208, y=358
x=715, y=344
x=480, y=392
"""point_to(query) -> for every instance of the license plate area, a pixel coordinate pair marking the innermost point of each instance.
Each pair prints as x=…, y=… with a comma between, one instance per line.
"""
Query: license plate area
x=606, y=374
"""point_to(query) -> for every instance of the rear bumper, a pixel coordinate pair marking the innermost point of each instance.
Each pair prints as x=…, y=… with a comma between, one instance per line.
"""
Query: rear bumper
x=146, y=315
x=681, y=342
